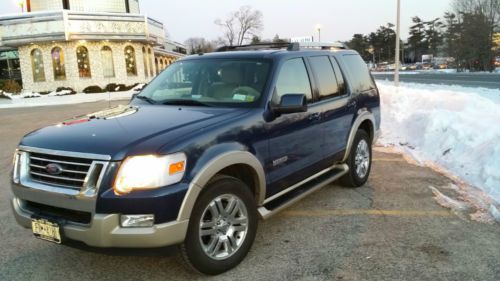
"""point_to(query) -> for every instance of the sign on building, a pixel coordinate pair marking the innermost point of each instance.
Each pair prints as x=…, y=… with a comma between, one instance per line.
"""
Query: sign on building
x=303, y=39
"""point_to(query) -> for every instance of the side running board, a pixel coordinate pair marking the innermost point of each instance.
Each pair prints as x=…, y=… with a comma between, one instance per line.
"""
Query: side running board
x=295, y=193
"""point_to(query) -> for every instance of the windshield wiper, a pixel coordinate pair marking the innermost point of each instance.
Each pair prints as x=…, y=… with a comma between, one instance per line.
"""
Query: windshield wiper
x=185, y=102
x=148, y=99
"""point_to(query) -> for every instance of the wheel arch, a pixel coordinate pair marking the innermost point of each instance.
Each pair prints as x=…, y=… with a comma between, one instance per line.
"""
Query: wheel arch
x=224, y=161
x=365, y=120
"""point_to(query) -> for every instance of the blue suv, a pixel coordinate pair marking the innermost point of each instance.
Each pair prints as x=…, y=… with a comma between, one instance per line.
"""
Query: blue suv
x=211, y=145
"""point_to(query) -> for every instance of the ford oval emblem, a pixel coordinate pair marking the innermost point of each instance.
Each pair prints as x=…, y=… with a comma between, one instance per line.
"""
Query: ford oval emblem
x=53, y=169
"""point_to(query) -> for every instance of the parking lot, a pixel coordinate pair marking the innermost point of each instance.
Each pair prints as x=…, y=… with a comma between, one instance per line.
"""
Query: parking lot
x=389, y=229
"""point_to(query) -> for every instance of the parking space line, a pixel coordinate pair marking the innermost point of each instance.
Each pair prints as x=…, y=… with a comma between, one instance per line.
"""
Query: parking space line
x=369, y=212
x=389, y=159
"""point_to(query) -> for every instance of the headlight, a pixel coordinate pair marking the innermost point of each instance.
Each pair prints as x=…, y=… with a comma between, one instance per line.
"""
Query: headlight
x=149, y=172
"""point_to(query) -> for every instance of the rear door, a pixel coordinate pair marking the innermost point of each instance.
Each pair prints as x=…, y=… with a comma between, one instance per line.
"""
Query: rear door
x=294, y=139
x=333, y=102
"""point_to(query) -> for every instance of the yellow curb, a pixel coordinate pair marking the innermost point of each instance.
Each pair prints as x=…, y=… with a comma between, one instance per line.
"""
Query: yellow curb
x=395, y=213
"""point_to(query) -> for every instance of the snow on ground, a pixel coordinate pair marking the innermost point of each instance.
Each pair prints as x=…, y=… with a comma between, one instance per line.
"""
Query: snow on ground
x=452, y=127
x=436, y=71
x=29, y=99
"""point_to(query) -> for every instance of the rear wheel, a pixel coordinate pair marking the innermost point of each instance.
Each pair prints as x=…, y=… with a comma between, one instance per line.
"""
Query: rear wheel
x=222, y=226
x=359, y=161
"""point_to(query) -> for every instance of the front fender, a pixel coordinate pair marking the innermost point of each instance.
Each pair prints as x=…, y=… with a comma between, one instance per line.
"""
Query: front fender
x=213, y=161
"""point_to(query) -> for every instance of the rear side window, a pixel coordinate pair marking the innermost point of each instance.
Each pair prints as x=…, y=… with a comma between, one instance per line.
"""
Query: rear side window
x=360, y=77
x=293, y=79
x=323, y=70
x=340, y=77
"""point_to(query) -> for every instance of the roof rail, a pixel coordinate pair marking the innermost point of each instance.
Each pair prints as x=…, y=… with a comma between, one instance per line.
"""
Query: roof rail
x=253, y=47
x=294, y=46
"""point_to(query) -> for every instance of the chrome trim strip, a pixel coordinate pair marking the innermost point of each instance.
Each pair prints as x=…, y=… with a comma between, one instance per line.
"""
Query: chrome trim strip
x=62, y=170
x=55, y=177
x=65, y=153
x=265, y=213
x=55, y=184
x=285, y=191
x=59, y=161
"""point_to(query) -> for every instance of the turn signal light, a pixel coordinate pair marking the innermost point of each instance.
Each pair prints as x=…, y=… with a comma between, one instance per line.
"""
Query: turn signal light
x=176, y=168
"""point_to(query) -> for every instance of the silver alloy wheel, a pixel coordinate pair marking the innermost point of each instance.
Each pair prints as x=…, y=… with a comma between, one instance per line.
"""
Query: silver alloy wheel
x=362, y=159
x=223, y=226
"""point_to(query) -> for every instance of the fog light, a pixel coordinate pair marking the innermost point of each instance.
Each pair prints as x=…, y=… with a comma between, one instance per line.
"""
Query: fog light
x=137, y=220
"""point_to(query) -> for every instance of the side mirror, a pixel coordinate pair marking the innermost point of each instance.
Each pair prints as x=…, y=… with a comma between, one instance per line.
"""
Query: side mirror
x=133, y=96
x=291, y=103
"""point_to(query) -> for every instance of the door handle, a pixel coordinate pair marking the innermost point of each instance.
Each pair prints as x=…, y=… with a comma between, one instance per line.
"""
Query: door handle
x=351, y=103
x=315, y=116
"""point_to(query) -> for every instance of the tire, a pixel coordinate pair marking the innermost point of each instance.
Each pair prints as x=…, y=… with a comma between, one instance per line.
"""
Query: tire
x=358, y=177
x=217, y=258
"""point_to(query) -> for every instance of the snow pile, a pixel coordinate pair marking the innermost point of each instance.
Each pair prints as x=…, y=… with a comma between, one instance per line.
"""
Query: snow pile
x=454, y=127
x=29, y=99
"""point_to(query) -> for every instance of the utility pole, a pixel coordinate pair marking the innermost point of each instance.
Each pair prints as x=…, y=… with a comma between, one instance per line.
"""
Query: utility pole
x=398, y=31
x=318, y=28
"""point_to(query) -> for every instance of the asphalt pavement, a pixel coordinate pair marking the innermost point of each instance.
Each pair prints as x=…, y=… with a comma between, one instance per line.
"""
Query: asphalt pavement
x=389, y=229
x=483, y=80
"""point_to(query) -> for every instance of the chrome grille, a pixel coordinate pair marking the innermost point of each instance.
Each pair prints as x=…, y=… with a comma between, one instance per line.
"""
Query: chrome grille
x=71, y=173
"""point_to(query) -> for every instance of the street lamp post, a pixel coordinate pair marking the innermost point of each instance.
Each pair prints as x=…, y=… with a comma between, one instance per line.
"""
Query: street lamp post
x=21, y=4
x=398, y=31
x=318, y=28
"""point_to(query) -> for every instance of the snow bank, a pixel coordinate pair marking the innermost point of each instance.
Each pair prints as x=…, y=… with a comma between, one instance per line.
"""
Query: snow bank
x=29, y=99
x=454, y=127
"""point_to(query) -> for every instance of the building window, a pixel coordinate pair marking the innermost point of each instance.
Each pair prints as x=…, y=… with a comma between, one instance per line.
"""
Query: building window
x=130, y=61
x=150, y=60
x=82, y=57
x=145, y=58
x=156, y=65
x=58, y=64
x=65, y=4
x=127, y=6
x=108, y=66
x=37, y=66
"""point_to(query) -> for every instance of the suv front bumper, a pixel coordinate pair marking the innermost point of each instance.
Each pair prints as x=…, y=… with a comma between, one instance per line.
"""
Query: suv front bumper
x=105, y=231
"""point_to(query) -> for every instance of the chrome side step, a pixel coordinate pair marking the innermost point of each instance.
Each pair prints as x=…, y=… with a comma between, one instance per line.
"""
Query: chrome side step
x=295, y=193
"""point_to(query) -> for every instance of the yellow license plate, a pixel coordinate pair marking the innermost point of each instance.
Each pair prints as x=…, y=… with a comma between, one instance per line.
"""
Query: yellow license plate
x=46, y=230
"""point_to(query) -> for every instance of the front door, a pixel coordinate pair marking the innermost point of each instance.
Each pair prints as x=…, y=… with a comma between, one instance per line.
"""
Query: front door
x=294, y=139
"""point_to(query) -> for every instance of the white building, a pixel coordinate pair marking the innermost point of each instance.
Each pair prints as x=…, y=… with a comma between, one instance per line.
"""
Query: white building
x=80, y=43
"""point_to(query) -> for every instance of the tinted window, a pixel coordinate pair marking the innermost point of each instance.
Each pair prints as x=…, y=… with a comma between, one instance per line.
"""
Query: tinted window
x=323, y=70
x=338, y=74
x=358, y=70
x=293, y=79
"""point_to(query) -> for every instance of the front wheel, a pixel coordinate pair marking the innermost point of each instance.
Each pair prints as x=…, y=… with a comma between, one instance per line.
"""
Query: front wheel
x=359, y=161
x=222, y=226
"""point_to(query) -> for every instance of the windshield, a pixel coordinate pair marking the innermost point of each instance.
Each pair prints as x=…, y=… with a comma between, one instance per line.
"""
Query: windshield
x=226, y=83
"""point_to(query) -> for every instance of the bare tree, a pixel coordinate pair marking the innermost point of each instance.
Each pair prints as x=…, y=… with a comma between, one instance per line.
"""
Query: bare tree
x=228, y=25
x=241, y=25
x=196, y=45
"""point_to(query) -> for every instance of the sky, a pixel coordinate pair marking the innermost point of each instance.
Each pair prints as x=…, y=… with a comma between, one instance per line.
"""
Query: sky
x=340, y=19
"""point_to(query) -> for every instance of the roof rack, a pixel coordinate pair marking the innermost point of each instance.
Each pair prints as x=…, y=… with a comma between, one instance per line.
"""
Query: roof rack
x=294, y=46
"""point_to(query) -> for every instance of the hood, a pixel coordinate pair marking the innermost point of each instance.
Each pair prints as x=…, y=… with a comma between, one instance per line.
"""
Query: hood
x=119, y=130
